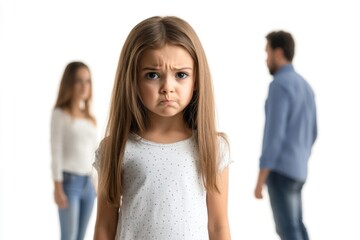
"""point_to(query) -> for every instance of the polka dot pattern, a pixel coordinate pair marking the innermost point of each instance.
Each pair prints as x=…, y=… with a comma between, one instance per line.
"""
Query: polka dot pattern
x=163, y=194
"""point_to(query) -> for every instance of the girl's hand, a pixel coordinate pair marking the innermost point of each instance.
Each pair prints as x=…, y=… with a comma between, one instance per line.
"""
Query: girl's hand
x=60, y=197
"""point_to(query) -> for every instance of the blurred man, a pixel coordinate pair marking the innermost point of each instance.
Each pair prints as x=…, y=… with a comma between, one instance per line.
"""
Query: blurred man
x=290, y=132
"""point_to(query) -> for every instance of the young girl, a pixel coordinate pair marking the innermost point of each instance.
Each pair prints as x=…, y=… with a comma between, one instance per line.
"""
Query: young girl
x=162, y=166
x=73, y=142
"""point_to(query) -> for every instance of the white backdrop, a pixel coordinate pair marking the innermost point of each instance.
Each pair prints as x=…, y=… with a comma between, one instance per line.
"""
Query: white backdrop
x=38, y=38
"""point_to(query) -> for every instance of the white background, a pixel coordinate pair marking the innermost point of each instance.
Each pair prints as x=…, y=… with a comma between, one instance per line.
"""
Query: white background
x=38, y=38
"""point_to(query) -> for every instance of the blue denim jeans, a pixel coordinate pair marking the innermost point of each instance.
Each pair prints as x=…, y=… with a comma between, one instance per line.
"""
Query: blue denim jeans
x=81, y=195
x=285, y=199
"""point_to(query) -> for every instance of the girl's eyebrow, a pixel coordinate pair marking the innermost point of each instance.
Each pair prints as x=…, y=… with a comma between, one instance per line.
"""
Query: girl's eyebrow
x=150, y=69
x=181, y=68
x=173, y=68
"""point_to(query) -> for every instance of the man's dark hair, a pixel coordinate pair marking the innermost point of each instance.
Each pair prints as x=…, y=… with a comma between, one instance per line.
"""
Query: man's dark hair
x=283, y=40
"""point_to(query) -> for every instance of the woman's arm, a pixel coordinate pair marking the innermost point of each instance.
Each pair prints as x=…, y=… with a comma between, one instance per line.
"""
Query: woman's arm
x=106, y=220
x=217, y=204
x=59, y=195
x=56, y=142
x=57, y=149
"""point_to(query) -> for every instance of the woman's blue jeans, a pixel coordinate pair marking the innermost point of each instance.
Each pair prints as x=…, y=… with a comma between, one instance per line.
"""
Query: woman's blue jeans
x=81, y=195
x=286, y=204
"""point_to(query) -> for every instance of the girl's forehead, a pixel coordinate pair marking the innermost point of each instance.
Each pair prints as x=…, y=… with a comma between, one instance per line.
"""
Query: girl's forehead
x=168, y=55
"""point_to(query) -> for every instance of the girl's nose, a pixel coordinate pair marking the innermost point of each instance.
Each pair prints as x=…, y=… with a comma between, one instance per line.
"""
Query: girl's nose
x=168, y=85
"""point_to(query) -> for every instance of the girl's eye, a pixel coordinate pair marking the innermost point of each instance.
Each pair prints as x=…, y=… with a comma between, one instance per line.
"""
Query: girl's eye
x=181, y=75
x=152, y=75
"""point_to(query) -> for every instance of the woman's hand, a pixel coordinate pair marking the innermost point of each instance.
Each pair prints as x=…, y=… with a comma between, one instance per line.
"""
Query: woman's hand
x=60, y=196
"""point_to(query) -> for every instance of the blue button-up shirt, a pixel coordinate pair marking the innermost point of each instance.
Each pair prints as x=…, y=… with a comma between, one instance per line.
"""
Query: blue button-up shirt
x=290, y=127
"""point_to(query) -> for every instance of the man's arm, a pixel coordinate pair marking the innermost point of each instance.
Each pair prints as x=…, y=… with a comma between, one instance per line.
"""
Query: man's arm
x=263, y=174
x=274, y=134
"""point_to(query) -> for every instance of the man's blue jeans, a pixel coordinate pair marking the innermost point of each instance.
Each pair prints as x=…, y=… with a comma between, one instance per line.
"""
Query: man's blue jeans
x=81, y=195
x=285, y=199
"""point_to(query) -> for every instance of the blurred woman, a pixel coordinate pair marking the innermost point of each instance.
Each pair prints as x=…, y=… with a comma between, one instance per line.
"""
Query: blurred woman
x=73, y=142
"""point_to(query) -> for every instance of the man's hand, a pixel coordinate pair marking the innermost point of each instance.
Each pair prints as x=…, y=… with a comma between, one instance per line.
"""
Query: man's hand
x=258, y=191
x=263, y=174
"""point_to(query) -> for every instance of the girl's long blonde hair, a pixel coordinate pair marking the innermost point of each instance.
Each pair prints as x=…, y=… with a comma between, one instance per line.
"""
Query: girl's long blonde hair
x=128, y=114
x=66, y=89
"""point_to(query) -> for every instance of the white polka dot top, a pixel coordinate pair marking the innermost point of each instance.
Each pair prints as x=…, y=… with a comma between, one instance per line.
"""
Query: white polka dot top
x=163, y=194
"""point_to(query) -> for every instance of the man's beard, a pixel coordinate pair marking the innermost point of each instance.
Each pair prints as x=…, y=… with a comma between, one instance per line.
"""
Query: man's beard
x=272, y=70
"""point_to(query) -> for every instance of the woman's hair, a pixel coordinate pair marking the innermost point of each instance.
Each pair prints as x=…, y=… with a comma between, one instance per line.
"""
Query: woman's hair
x=128, y=114
x=66, y=89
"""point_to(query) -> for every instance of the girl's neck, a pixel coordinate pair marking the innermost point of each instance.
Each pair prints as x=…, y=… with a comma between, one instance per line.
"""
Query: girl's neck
x=167, y=129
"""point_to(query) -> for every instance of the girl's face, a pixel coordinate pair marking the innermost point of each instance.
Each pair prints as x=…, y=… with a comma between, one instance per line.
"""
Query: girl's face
x=82, y=85
x=166, y=80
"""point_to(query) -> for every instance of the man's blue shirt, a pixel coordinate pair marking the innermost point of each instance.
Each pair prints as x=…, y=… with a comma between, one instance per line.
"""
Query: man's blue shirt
x=290, y=127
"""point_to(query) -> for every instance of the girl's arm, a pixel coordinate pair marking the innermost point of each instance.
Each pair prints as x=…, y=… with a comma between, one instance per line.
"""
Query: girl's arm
x=217, y=204
x=106, y=220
